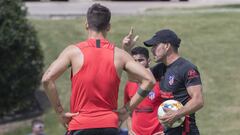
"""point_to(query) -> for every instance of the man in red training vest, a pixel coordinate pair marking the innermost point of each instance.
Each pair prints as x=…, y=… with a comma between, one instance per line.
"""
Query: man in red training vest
x=96, y=67
x=143, y=120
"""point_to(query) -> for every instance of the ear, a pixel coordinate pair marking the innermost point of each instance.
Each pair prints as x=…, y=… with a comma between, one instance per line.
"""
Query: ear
x=108, y=27
x=86, y=25
x=167, y=46
x=149, y=61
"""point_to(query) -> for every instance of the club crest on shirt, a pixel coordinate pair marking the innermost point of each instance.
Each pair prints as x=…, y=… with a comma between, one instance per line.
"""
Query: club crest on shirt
x=151, y=95
x=171, y=79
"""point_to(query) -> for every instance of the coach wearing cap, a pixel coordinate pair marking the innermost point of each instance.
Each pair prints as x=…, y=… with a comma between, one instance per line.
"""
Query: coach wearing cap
x=181, y=81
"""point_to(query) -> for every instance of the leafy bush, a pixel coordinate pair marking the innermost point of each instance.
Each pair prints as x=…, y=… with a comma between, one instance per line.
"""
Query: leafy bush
x=21, y=58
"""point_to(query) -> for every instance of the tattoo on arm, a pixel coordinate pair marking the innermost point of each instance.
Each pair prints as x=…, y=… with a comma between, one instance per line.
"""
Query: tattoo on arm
x=59, y=108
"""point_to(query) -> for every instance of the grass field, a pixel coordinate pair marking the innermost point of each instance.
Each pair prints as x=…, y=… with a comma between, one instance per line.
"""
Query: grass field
x=210, y=40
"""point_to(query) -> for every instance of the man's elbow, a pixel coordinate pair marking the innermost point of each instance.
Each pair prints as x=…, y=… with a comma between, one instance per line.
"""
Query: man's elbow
x=200, y=103
x=45, y=81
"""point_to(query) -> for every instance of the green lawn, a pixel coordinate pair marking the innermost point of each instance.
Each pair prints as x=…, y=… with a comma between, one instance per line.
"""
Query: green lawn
x=210, y=40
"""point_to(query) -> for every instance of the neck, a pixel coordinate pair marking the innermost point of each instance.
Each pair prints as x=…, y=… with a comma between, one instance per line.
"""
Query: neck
x=96, y=35
x=171, y=58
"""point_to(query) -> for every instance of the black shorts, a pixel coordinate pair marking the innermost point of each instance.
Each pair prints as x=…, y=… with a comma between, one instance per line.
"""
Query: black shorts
x=181, y=131
x=94, y=131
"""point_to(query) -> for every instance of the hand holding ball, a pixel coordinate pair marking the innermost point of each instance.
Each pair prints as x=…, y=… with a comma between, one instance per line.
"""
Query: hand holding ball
x=173, y=105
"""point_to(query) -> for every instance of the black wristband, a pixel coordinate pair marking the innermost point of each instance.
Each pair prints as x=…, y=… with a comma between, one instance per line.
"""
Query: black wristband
x=142, y=93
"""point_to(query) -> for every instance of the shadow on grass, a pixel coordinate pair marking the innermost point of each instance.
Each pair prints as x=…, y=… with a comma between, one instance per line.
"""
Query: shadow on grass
x=227, y=6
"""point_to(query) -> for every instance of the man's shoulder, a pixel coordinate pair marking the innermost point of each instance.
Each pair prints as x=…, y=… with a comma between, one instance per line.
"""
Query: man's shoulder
x=121, y=54
x=185, y=64
x=81, y=44
x=71, y=49
x=182, y=67
x=118, y=50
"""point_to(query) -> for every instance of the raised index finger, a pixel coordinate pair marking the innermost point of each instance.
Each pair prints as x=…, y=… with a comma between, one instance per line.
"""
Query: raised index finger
x=130, y=32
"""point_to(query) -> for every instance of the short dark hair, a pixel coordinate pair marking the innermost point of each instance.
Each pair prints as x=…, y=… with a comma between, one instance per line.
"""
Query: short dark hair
x=175, y=48
x=37, y=121
x=140, y=50
x=98, y=17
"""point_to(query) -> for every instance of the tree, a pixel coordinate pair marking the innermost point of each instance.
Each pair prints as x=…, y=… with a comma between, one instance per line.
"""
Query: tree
x=21, y=59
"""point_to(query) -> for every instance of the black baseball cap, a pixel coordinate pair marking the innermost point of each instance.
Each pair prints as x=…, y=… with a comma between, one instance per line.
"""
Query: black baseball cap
x=164, y=36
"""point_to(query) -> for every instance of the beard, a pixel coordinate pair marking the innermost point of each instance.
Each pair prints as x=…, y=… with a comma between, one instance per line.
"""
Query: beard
x=160, y=58
x=157, y=59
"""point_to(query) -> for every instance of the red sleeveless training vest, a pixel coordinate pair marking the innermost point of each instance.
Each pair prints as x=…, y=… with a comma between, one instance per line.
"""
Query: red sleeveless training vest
x=95, y=87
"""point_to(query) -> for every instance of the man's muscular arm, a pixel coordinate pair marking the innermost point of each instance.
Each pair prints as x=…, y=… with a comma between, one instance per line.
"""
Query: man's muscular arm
x=48, y=80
